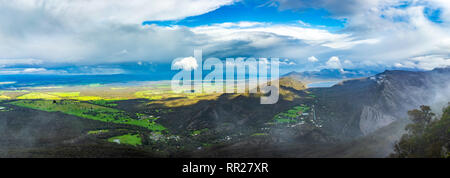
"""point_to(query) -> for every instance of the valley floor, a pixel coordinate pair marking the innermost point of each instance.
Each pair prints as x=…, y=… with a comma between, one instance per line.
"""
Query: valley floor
x=30, y=132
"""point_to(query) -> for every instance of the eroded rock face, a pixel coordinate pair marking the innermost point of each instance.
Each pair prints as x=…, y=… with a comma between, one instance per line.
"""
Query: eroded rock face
x=373, y=119
x=400, y=91
x=361, y=106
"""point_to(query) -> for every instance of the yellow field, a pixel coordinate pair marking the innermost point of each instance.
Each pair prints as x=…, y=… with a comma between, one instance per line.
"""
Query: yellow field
x=36, y=95
x=87, y=98
x=187, y=100
x=159, y=94
x=4, y=97
x=65, y=94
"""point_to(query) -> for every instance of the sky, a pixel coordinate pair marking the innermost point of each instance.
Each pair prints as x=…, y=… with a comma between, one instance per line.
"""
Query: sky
x=116, y=36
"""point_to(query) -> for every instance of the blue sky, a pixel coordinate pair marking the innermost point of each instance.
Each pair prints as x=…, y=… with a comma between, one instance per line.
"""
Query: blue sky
x=259, y=11
x=116, y=36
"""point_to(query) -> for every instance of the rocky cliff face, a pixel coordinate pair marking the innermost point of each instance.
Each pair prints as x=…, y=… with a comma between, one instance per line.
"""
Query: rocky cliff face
x=400, y=91
x=373, y=118
x=362, y=106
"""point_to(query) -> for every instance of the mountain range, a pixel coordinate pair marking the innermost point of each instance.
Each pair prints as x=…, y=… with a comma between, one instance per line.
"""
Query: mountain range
x=358, y=117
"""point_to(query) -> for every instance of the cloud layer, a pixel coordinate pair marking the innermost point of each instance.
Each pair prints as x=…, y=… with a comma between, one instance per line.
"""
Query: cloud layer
x=390, y=33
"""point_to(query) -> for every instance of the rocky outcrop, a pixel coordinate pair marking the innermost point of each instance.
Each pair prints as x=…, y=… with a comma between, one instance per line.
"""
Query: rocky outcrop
x=373, y=119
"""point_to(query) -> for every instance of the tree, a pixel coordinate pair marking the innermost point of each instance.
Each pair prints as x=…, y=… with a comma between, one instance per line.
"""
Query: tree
x=427, y=136
x=420, y=118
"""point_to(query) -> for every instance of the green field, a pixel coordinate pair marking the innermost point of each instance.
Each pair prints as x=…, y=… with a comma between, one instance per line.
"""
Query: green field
x=291, y=114
x=95, y=132
x=106, y=103
x=89, y=111
x=58, y=96
x=127, y=139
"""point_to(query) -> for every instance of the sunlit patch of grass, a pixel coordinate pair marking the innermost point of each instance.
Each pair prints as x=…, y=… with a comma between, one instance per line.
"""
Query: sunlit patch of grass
x=65, y=94
x=155, y=97
x=95, y=132
x=2, y=97
x=174, y=99
x=291, y=114
x=149, y=94
x=127, y=139
x=106, y=103
x=87, y=98
x=292, y=83
x=288, y=95
x=60, y=95
x=36, y=95
x=89, y=111
x=187, y=100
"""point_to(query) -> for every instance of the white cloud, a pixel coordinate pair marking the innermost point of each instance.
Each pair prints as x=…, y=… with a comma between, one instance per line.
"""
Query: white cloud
x=285, y=62
x=13, y=71
x=98, y=71
x=9, y=62
x=313, y=59
x=260, y=32
x=384, y=31
x=334, y=63
x=7, y=83
x=100, y=31
x=349, y=43
x=187, y=63
x=243, y=24
x=118, y=11
x=95, y=32
x=304, y=24
x=34, y=70
x=348, y=64
x=425, y=62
